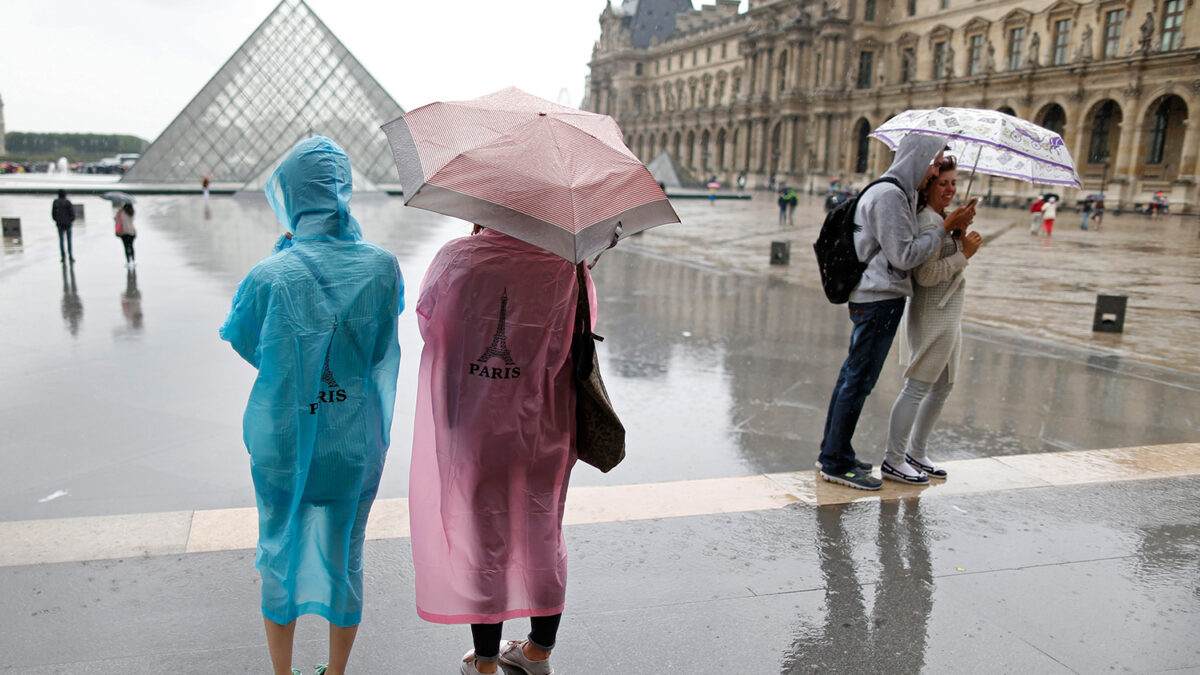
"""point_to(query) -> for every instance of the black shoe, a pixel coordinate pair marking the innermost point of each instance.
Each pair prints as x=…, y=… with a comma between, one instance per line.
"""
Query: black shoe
x=853, y=478
x=893, y=474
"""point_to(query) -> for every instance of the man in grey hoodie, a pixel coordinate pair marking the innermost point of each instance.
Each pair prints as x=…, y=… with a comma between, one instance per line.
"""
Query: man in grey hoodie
x=887, y=238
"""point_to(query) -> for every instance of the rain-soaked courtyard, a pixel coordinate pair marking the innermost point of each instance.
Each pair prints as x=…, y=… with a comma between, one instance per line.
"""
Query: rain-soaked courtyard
x=126, y=508
x=123, y=399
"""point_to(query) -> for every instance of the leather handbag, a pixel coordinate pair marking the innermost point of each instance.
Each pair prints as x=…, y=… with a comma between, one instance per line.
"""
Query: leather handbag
x=599, y=434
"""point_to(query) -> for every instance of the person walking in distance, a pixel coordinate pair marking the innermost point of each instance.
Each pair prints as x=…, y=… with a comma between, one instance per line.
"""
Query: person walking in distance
x=125, y=231
x=63, y=213
x=890, y=241
x=1049, y=213
x=1035, y=216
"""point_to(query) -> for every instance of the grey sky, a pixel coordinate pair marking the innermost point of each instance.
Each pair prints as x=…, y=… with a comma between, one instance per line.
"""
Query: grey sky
x=130, y=66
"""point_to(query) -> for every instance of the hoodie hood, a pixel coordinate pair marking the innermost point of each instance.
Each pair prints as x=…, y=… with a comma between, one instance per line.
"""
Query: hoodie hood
x=310, y=193
x=913, y=157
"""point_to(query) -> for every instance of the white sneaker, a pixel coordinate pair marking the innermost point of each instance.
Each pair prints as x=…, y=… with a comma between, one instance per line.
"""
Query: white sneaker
x=468, y=665
x=512, y=653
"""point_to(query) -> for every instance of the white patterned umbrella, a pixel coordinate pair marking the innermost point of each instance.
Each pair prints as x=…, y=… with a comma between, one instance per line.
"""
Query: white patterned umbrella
x=991, y=142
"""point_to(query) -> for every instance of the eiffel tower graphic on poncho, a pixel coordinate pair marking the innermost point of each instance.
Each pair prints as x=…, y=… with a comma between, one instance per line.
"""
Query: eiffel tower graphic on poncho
x=499, y=346
x=327, y=374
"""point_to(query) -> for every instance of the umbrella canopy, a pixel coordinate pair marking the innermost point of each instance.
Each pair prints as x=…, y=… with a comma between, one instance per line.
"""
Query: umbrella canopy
x=991, y=142
x=117, y=198
x=558, y=178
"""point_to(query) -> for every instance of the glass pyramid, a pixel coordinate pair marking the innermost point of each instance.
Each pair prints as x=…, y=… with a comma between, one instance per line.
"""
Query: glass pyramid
x=291, y=79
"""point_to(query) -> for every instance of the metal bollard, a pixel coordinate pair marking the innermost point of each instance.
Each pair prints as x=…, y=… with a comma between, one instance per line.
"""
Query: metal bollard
x=1110, y=314
x=781, y=252
x=11, y=227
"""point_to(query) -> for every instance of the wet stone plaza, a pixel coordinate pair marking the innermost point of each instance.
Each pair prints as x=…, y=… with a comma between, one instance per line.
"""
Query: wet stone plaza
x=712, y=548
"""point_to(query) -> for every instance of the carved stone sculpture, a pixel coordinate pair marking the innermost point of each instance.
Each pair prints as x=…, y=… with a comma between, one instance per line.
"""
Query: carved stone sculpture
x=1147, y=31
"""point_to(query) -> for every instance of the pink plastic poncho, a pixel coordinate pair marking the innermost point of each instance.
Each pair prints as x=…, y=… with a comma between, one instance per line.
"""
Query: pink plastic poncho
x=492, y=451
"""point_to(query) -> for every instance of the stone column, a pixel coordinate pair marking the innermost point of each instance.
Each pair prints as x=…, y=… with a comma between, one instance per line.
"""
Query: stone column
x=798, y=59
x=1125, y=164
x=1078, y=142
x=1187, y=158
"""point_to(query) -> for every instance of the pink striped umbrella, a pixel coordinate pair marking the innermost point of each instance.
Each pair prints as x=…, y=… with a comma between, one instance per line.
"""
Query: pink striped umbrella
x=556, y=177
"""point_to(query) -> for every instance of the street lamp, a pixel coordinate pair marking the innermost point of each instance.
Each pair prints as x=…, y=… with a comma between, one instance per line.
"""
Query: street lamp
x=1103, y=156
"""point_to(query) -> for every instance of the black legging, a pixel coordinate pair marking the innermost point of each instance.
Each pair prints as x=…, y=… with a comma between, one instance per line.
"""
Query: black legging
x=127, y=239
x=542, y=632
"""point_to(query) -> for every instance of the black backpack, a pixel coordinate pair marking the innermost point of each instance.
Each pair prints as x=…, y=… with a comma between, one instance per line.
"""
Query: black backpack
x=837, y=260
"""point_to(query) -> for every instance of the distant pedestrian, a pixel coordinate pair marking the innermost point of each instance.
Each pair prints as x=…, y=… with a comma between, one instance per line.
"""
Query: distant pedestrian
x=1098, y=213
x=931, y=344
x=1087, y=212
x=494, y=445
x=782, y=201
x=1049, y=213
x=1035, y=216
x=317, y=319
x=741, y=181
x=204, y=183
x=889, y=239
x=63, y=213
x=126, y=231
x=792, y=199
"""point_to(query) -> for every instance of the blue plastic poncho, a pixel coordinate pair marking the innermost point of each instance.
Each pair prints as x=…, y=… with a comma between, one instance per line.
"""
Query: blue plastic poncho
x=318, y=320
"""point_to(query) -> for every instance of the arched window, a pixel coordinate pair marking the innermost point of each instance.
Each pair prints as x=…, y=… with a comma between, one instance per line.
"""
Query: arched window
x=863, y=149
x=691, y=149
x=1054, y=118
x=1101, y=128
x=675, y=145
x=721, y=149
x=1158, y=132
x=783, y=64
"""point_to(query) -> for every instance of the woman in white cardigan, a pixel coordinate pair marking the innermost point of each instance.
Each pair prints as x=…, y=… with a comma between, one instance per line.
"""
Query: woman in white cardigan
x=932, y=340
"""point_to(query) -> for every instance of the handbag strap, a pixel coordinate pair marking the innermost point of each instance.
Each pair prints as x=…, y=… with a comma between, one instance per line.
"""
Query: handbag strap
x=583, y=308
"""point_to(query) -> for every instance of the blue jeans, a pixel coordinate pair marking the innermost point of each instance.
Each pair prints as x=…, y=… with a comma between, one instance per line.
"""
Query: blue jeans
x=875, y=326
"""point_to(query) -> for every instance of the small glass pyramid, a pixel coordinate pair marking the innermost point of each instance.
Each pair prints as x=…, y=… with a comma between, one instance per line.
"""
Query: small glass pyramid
x=291, y=79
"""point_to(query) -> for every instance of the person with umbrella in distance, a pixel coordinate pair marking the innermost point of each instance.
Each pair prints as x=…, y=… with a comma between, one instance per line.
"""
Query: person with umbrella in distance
x=1049, y=214
x=892, y=243
x=931, y=343
x=495, y=433
x=317, y=320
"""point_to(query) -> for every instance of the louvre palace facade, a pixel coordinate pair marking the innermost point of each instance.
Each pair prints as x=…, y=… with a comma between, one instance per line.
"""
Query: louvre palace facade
x=790, y=89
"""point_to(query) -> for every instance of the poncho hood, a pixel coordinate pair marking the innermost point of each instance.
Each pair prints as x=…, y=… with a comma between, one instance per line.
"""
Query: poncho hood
x=913, y=157
x=310, y=193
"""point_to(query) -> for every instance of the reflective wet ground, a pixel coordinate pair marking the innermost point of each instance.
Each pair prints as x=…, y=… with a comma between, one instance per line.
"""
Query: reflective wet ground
x=123, y=400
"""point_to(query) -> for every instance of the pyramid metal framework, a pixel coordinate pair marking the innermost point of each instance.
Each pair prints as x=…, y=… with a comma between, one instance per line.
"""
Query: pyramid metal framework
x=291, y=79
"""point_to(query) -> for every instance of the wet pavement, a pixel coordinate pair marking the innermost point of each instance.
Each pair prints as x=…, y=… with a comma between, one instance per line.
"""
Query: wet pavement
x=1083, y=579
x=124, y=401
